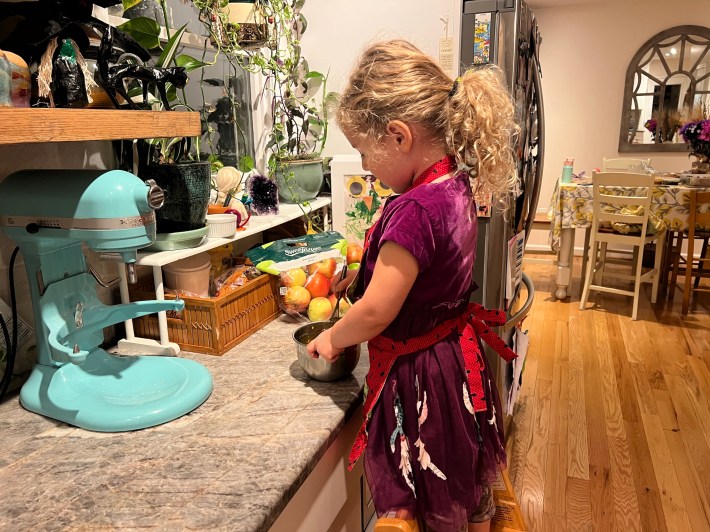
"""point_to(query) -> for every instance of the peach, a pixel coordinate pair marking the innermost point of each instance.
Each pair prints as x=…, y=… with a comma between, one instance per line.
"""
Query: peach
x=343, y=306
x=325, y=267
x=319, y=309
x=293, y=277
x=296, y=299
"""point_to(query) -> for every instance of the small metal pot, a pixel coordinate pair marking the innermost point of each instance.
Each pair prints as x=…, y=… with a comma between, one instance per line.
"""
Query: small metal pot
x=318, y=368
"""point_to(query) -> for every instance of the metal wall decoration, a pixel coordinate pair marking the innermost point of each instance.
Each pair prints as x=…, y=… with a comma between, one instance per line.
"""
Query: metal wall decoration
x=667, y=80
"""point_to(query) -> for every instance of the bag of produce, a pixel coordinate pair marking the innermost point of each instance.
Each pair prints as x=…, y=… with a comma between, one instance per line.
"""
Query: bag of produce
x=305, y=266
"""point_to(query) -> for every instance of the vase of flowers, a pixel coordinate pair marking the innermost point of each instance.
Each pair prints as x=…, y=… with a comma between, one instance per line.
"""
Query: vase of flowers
x=697, y=135
x=651, y=126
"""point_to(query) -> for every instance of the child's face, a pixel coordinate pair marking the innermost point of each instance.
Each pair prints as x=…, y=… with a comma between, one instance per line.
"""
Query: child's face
x=384, y=159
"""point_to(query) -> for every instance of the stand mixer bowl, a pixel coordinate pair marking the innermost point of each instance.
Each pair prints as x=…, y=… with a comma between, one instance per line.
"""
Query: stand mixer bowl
x=319, y=368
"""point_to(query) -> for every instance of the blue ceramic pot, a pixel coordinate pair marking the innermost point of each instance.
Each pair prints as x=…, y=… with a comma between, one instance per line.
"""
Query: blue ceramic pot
x=299, y=181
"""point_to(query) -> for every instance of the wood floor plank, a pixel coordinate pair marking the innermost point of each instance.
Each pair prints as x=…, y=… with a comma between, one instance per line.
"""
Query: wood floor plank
x=533, y=492
x=602, y=496
x=579, y=506
x=626, y=507
x=647, y=490
x=674, y=510
x=610, y=393
x=577, y=456
x=622, y=371
x=554, y=523
x=696, y=503
x=666, y=410
x=691, y=428
x=556, y=469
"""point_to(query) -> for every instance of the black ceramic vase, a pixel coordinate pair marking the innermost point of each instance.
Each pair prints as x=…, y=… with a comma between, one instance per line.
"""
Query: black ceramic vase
x=187, y=194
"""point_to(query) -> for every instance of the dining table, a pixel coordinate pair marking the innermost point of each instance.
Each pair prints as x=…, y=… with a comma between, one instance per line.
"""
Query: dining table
x=571, y=209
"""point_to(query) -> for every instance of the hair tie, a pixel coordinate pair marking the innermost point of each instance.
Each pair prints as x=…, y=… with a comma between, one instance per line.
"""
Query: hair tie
x=454, y=88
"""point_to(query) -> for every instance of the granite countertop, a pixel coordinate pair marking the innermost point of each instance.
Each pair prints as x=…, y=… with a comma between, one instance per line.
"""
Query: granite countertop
x=232, y=464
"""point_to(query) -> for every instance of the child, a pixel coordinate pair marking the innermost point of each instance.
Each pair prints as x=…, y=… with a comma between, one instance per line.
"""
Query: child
x=433, y=433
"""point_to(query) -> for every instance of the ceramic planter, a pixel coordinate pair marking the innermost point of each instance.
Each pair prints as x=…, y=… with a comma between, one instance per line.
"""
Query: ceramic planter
x=299, y=181
x=187, y=194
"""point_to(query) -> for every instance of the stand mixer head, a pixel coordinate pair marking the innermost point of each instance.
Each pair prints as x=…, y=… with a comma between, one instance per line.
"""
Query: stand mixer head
x=74, y=380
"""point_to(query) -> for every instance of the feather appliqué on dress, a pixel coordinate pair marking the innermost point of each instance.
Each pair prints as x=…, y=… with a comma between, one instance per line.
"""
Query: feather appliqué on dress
x=493, y=420
x=467, y=399
x=405, y=463
x=424, y=458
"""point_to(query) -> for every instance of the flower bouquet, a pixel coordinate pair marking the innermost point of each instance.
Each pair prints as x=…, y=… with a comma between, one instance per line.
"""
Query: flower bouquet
x=696, y=134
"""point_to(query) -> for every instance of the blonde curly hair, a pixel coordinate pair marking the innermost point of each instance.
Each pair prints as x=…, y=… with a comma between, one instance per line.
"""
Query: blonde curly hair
x=474, y=116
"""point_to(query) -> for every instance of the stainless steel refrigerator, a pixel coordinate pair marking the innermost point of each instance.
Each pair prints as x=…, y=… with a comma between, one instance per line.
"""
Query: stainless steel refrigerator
x=505, y=33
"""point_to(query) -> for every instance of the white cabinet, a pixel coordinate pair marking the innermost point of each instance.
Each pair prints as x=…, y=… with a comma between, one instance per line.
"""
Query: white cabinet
x=332, y=498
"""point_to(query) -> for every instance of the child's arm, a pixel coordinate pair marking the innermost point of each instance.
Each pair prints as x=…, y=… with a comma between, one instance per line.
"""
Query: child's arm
x=395, y=271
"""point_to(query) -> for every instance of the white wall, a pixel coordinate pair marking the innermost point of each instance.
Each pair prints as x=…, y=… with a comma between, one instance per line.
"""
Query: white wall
x=338, y=30
x=585, y=52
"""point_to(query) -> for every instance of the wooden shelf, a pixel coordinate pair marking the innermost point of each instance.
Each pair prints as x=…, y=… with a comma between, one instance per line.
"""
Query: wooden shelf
x=19, y=125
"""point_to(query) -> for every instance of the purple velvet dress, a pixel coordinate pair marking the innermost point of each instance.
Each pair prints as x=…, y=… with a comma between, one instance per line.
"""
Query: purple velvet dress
x=426, y=452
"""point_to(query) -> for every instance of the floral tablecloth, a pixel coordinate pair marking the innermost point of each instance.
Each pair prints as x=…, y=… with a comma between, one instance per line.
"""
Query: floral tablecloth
x=571, y=207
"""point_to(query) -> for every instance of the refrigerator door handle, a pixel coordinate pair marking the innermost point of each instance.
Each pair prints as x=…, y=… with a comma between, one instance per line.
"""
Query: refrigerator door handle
x=523, y=312
x=537, y=184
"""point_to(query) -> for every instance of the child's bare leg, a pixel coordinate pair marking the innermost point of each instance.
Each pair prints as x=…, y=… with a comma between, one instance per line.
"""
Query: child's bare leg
x=480, y=520
x=485, y=526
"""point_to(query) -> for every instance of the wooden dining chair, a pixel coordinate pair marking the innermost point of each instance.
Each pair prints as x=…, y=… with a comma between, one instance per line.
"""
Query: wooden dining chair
x=698, y=224
x=624, y=164
x=608, y=206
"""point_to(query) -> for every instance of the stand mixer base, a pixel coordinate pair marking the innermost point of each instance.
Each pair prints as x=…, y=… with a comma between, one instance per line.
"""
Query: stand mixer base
x=117, y=393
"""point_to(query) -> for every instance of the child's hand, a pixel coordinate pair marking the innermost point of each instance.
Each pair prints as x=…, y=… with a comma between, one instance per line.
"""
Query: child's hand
x=322, y=347
x=337, y=286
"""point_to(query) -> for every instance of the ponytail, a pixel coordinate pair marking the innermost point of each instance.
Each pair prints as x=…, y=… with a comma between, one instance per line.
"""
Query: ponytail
x=481, y=130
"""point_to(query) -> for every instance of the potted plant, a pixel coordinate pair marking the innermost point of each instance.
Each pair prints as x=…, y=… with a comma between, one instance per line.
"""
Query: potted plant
x=299, y=103
x=184, y=178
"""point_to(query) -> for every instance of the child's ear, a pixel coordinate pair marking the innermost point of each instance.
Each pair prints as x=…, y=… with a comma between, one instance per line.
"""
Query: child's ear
x=401, y=134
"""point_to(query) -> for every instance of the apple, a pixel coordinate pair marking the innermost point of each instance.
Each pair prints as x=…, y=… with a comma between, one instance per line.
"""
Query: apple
x=343, y=306
x=354, y=266
x=293, y=277
x=319, y=309
x=354, y=253
x=325, y=267
x=318, y=285
x=296, y=299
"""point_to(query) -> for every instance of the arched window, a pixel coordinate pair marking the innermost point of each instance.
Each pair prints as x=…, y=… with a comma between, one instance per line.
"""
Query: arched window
x=667, y=81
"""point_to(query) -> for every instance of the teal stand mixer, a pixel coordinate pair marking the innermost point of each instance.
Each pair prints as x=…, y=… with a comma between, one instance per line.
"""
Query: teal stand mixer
x=49, y=214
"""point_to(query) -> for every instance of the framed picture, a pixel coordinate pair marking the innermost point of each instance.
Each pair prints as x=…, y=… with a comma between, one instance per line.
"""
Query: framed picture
x=358, y=197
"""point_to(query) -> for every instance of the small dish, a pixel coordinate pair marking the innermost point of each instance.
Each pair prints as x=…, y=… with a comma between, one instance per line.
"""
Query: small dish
x=221, y=225
x=178, y=240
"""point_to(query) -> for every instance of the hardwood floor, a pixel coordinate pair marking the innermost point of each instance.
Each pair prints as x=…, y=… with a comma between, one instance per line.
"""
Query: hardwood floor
x=612, y=427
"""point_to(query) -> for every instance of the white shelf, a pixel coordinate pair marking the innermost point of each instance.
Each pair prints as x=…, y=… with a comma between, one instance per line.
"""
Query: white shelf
x=256, y=225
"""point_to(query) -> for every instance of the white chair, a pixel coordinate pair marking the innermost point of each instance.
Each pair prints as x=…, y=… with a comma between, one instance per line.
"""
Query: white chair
x=624, y=165
x=602, y=235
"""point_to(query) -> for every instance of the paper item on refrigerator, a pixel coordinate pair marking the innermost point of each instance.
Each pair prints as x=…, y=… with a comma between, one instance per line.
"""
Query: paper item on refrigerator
x=446, y=55
x=520, y=340
x=514, y=270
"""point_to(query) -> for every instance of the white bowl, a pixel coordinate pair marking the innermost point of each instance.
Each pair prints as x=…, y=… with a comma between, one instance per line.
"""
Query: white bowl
x=221, y=225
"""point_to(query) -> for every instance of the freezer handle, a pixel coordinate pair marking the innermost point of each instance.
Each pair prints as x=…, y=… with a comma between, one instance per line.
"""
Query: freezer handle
x=523, y=312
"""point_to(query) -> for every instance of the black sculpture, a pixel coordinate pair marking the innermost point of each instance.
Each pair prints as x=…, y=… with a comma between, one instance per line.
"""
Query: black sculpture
x=111, y=77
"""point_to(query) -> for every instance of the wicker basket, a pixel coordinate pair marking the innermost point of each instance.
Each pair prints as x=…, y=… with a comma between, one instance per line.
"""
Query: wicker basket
x=212, y=325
